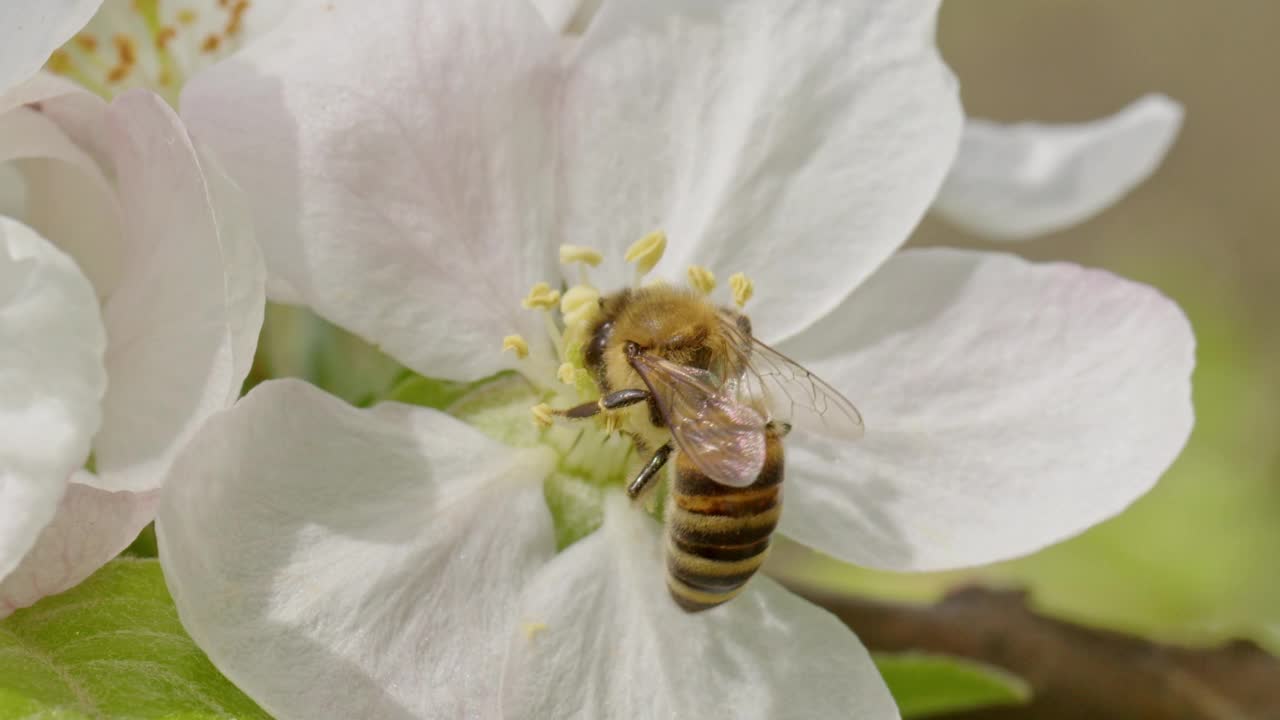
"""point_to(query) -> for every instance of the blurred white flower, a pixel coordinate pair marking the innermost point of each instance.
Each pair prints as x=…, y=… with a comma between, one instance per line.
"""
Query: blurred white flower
x=129, y=308
x=398, y=562
x=32, y=29
x=1016, y=182
x=1020, y=181
x=159, y=45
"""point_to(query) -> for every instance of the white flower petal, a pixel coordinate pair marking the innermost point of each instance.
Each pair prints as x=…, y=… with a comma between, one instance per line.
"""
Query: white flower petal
x=56, y=173
x=566, y=16
x=764, y=137
x=336, y=562
x=402, y=187
x=1014, y=182
x=90, y=527
x=51, y=382
x=184, y=322
x=30, y=30
x=13, y=192
x=1008, y=405
x=601, y=638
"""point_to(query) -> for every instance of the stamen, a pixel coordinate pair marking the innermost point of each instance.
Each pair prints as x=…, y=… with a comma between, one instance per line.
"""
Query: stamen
x=543, y=415
x=579, y=306
x=646, y=252
x=150, y=44
x=742, y=287
x=553, y=332
x=701, y=279
x=541, y=297
x=60, y=62
x=532, y=629
x=516, y=343
x=236, y=18
x=567, y=373
x=570, y=254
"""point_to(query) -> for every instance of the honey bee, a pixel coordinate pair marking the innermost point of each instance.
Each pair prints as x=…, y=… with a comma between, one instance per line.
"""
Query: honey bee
x=689, y=379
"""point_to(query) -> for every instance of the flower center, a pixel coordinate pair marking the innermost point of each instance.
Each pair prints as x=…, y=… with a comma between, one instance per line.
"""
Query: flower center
x=150, y=44
x=595, y=454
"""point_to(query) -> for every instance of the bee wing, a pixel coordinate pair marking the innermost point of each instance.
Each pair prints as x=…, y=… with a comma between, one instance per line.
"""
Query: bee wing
x=723, y=437
x=767, y=379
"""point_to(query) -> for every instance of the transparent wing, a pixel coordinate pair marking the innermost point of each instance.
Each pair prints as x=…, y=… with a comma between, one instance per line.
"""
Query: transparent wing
x=765, y=378
x=723, y=437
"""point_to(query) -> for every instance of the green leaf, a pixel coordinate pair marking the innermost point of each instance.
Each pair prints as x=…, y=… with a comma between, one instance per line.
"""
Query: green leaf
x=926, y=685
x=144, y=546
x=111, y=647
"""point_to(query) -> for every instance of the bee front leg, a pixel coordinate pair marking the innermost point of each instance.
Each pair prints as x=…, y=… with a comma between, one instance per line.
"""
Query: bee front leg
x=612, y=401
x=647, y=473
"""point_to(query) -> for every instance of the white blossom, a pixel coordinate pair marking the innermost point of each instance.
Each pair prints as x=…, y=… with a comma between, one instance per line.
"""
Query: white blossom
x=130, y=305
x=415, y=170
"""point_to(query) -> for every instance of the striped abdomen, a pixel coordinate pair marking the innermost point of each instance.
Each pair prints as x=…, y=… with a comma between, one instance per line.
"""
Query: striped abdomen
x=718, y=536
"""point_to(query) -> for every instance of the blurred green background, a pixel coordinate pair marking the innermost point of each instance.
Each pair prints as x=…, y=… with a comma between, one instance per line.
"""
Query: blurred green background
x=1195, y=561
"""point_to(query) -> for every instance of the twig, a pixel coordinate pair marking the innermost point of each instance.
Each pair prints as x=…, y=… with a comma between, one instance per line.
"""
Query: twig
x=1077, y=673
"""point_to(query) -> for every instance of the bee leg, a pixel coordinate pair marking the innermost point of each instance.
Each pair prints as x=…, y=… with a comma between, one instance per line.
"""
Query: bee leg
x=612, y=401
x=779, y=429
x=649, y=471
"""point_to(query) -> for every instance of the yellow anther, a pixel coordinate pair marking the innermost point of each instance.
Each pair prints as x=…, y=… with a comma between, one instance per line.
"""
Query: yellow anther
x=701, y=279
x=567, y=374
x=742, y=287
x=543, y=416
x=647, y=251
x=541, y=297
x=532, y=629
x=579, y=305
x=517, y=343
x=570, y=254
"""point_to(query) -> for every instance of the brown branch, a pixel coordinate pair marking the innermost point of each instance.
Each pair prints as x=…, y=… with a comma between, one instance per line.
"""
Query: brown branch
x=1077, y=673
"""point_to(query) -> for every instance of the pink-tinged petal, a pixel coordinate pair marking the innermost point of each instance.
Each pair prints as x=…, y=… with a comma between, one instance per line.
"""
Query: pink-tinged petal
x=601, y=638
x=402, y=187
x=799, y=142
x=1013, y=182
x=1008, y=405
x=90, y=527
x=30, y=30
x=76, y=111
x=56, y=173
x=51, y=382
x=184, y=320
x=336, y=562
